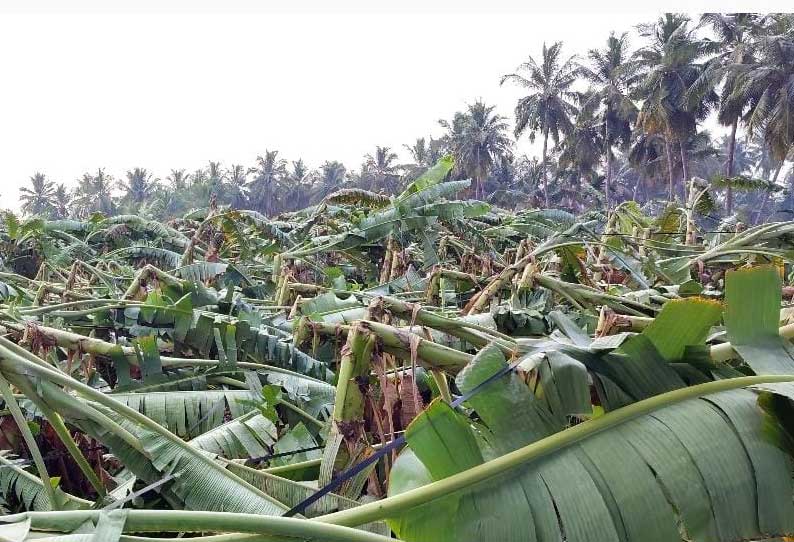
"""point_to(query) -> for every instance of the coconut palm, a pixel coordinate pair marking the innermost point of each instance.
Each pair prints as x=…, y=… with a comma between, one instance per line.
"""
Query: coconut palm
x=702, y=151
x=139, y=187
x=94, y=194
x=771, y=79
x=176, y=194
x=198, y=178
x=506, y=186
x=236, y=188
x=61, y=200
x=478, y=138
x=425, y=152
x=735, y=39
x=39, y=198
x=103, y=189
x=648, y=158
x=670, y=67
x=419, y=151
x=300, y=174
x=529, y=173
x=380, y=169
x=582, y=147
x=332, y=176
x=177, y=179
x=215, y=177
x=612, y=75
x=298, y=185
x=269, y=171
x=548, y=108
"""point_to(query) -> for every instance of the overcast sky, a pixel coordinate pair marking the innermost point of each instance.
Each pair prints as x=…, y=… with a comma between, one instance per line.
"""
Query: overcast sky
x=161, y=86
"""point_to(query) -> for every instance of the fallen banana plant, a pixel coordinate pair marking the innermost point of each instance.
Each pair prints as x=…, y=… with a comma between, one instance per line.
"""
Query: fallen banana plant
x=417, y=367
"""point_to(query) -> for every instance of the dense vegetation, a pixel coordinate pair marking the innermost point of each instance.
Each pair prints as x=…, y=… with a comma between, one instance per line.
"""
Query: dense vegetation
x=474, y=346
x=608, y=377
x=626, y=121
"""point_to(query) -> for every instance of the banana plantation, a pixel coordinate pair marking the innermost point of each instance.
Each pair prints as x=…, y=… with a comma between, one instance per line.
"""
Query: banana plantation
x=418, y=367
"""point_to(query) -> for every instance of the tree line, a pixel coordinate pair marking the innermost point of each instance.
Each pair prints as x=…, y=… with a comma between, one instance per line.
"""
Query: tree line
x=622, y=122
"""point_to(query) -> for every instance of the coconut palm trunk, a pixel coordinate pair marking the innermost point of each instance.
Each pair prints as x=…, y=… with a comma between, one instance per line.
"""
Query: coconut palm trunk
x=545, y=172
x=636, y=188
x=669, y=153
x=765, y=199
x=729, y=166
x=608, y=157
x=478, y=187
x=684, y=170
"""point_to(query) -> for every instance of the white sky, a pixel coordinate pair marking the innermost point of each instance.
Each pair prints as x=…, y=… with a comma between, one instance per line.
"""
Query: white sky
x=165, y=86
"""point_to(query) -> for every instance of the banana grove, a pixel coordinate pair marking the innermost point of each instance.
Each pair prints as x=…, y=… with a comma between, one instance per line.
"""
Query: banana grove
x=416, y=367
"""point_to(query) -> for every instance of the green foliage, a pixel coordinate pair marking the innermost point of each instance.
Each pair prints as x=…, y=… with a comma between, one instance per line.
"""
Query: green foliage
x=211, y=349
